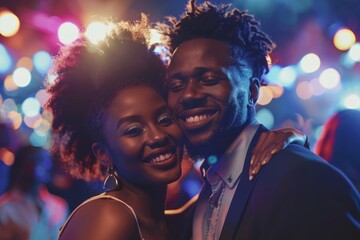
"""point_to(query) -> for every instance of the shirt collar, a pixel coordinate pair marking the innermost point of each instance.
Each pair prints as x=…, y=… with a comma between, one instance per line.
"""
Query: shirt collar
x=230, y=165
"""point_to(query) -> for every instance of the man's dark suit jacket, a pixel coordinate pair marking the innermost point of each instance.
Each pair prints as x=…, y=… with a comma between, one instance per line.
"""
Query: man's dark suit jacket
x=297, y=195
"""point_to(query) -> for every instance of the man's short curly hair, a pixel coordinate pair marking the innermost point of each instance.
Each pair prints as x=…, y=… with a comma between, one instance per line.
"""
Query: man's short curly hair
x=88, y=76
x=235, y=27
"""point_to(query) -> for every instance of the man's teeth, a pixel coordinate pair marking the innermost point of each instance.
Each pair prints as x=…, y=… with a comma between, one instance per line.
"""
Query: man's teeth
x=197, y=118
x=161, y=158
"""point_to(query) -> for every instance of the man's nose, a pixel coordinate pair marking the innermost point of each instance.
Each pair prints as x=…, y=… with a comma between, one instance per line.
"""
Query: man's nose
x=192, y=93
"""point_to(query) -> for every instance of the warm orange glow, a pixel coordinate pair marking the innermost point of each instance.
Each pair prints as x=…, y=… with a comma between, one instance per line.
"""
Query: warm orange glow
x=7, y=156
x=265, y=96
x=9, y=84
x=277, y=91
x=344, y=39
x=15, y=119
x=9, y=23
x=25, y=62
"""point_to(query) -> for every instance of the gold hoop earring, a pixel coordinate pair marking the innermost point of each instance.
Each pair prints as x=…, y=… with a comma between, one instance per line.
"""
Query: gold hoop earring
x=111, y=182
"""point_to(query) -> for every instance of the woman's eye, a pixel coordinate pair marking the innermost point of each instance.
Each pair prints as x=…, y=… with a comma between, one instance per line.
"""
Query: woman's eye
x=165, y=120
x=133, y=131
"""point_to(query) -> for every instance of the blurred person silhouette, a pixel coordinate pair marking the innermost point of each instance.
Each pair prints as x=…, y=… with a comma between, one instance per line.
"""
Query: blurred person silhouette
x=27, y=209
x=9, y=142
x=339, y=143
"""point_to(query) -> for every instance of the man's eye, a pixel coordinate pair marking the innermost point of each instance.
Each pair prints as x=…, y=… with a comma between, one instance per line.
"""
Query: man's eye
x=209, y=81
x=133, y=131
x=175, y=86
x=165, y=120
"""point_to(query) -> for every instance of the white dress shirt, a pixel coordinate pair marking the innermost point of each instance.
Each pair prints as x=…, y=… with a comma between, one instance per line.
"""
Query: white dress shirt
x=221, y=181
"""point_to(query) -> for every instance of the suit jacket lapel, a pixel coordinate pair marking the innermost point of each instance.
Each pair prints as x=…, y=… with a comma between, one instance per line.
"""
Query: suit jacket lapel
x=242, y=194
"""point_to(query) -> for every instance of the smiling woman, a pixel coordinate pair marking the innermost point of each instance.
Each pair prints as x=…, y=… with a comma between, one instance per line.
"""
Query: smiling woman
x=111, y=122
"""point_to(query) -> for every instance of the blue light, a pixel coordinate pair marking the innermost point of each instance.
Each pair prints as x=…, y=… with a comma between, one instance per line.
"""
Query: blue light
x=38, y=140
x=5, y=60
x=191, y=187
x=266, y=117
x=287, y=76
x=42, y=61
x=212, y=160
x=273, y=75
x=31, y=107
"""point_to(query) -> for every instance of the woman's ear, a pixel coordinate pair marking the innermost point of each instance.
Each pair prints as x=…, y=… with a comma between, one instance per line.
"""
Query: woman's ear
x=102, y=154
x=254, y=91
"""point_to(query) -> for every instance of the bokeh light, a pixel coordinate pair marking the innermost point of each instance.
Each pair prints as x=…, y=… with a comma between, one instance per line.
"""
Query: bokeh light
x=265, y=95
x=9, y=23
x=6, y=156
x=273, y=75
x=329, y=78
x=212, y=160
x=38, y=140
x=21, y=77
x=310, y=63
x=42, y=96
x=352, y=101
x=347, y=60
x=266, y=117
x=277, y=91
x=8, y=105
x=191, y=186
x=68, y=32
x=42, y=127
x=97, y=31
x=9, y=84
x=344, y=38
x=32, y=122
x=31, y=107
x=25, y=62
x=42, y=61
x=5, y=60
x=15, y=118
x=354, y=52
x=304, y=90
x=287, y=76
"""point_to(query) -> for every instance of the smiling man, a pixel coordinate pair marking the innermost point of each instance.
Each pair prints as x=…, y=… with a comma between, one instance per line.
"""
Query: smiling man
x=212, y=84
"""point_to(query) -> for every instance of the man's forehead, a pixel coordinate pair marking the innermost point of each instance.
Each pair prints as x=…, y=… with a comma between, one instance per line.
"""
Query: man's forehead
x=200, y=52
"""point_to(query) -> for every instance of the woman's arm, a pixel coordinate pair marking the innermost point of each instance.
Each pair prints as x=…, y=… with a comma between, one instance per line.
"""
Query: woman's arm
x=272, y=142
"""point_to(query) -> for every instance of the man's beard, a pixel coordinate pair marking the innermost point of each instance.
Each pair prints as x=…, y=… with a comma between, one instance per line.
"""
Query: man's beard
x=198, y=151
x=219, y=141
x=203, y=150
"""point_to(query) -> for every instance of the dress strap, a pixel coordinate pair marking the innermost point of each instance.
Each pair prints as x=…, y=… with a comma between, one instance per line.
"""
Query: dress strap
x=102, y=196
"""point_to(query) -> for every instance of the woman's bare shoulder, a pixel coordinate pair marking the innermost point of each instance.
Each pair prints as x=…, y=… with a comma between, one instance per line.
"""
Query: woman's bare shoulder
x=102, y=219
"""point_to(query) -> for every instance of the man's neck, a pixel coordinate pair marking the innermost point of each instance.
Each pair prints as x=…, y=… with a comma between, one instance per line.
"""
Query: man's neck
x=227, y=139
